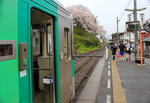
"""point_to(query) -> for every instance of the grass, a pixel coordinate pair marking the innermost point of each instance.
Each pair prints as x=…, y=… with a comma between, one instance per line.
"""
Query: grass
x=86, y=49
x=85, y=41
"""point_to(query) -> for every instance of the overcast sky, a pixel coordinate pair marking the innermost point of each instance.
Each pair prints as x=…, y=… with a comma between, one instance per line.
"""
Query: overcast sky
x=107, y=11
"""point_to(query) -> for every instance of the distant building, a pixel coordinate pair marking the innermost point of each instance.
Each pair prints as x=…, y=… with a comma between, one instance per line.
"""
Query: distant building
x=145, y=35
x=101, y=38
x=128, y=36
x=146, y=41
x=114, y=38
x=146, y=46
x=123, y=36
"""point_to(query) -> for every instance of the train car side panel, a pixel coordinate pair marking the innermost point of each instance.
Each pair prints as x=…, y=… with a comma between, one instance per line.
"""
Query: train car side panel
x=9, y=92
x=23, y=33
x=64, y=22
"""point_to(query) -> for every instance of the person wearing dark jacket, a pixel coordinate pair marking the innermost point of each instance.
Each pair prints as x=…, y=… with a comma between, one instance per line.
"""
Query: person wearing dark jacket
x=122, y=50
x=113, y=49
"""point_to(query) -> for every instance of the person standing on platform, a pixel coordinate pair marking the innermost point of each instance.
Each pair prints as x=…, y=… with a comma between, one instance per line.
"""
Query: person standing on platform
x=113, y=49
x=128, y=50
x=122, y=50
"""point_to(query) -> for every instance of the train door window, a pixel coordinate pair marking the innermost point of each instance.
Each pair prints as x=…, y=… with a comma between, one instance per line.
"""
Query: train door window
x=7, y=49
x=66, y=44
x=36, y=42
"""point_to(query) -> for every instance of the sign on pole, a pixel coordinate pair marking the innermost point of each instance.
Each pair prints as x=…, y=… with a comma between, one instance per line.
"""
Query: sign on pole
x=133, y=26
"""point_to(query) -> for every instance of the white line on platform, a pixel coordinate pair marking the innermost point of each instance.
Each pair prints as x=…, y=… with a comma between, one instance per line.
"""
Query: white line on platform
x=108, y=66
x=109, y=73
x=108, y=84
x=109, y=62
x=108, y=99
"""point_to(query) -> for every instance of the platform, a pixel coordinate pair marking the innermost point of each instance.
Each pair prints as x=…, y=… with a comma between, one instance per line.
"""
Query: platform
x=135, y=80
x=118, y=81
x=90, y=91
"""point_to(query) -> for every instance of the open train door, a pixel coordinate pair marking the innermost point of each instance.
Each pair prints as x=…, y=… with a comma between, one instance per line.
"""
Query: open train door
x=43, y=69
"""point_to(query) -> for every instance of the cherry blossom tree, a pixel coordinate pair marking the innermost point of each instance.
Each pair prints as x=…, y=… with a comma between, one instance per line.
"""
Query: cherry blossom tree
x=85, y=19
x=100, y=31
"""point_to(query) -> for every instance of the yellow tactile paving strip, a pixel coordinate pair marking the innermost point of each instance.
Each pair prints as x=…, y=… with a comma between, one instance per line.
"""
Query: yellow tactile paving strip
x=118, y=94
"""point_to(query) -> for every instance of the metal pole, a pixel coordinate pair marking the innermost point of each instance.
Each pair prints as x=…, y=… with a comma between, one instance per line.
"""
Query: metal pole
x=129, y=17
x=141, y=47
x=136, y=33
x=117, y=31
x=117, y=25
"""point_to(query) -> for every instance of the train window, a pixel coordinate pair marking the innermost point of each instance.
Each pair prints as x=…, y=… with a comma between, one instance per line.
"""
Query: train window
x=66, y=44
x=50, y=37
x=7, y=49
x=72, y=42
x=36, y=41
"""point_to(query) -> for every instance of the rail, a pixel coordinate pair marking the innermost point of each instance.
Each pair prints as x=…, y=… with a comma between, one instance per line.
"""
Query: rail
x=93, y=58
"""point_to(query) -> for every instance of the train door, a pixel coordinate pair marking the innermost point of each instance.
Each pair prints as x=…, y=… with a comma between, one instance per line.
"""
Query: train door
x=43, y=69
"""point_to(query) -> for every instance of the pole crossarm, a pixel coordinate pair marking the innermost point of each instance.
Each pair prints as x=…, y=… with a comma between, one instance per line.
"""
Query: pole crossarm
x=141, y=9
x=129, y=10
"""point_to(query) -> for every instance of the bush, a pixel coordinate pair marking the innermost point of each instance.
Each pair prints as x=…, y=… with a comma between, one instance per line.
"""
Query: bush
x=84, y=41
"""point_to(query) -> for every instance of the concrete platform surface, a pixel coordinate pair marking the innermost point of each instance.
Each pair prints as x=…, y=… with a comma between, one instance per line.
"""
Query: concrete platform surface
x=91, y=89
x=135, y=81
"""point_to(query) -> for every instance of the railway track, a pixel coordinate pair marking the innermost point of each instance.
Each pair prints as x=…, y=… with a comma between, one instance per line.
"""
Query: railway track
x=84, y=66
x=82, y=60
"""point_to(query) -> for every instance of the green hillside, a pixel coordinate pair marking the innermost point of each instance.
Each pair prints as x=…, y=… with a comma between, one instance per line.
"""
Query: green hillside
x=84, y=41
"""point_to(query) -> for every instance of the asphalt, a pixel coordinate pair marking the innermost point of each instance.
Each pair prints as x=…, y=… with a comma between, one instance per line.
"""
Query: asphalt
x=135, y=81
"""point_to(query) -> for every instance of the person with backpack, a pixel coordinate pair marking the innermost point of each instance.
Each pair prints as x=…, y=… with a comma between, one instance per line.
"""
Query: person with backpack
x=113, y=49
x=128, y=50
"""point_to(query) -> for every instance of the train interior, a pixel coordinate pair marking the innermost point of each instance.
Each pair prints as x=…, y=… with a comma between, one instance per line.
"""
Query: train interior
x=43, y=72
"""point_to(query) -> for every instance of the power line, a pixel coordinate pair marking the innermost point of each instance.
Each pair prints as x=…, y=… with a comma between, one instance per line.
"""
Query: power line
x=125, y=11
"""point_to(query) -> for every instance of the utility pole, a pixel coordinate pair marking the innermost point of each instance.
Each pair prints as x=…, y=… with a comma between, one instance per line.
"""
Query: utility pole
x=136, y=33
x=129, y=19
x=117, y=31
x=117, y=25
x=95, y=23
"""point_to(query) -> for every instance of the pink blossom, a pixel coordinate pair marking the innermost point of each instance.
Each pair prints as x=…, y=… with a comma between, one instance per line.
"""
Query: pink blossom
x=84, y=18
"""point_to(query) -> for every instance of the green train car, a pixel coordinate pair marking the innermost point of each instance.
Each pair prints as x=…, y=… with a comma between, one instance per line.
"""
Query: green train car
x=36, y=64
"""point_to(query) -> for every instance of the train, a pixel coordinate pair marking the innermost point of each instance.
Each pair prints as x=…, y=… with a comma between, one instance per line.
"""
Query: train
x=36, y=52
